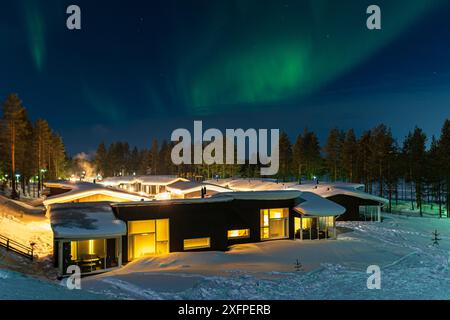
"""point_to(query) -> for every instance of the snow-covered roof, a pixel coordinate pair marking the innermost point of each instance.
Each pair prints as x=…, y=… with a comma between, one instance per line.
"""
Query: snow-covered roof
x=221, y=197
x=324, y=189
x=78, y=190
x=170, y=202
x=184, y=187
x=146, y=180
x=315, y=205
x=85, y=221
x=328, y=190
x=261, y=195
x=249, y=184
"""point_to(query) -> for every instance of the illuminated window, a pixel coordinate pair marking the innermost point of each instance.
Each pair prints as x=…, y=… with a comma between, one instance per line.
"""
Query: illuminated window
x=243, y=233
x=307, y=223
x=136, y=227
x=199, y=243
x=149, y=237
x=274, y=223
x=326, y=222
x=87, y=249
x=297, y=224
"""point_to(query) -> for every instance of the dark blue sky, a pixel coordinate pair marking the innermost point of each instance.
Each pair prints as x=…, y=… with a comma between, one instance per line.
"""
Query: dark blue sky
x=140, y=69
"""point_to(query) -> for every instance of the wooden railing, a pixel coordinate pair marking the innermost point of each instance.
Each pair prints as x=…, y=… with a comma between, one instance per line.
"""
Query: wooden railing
x=16, y=247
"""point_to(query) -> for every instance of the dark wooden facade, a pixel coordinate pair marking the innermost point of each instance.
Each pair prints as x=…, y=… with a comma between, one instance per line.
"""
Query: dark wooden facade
x=351, y=204
x=201, y=219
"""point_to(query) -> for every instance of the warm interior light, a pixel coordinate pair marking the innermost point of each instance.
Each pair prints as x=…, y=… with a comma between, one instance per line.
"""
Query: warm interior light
x=163, y=196
x=243, y=233
x=277, y=215
x=266, y=220
x=91, y=246
x=198, y=243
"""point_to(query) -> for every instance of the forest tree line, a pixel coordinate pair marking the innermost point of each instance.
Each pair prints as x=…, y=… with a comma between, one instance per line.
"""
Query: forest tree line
x=30, y=151
x=374, y=159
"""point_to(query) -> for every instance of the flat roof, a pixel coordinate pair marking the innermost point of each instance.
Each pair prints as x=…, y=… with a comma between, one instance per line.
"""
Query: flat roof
x=222, y=197
x=85, y=221
x=324, y=189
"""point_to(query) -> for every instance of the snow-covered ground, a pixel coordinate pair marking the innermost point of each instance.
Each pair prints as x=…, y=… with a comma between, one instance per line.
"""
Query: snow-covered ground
x=28, y=230
x=16, y=286
x=412, y=268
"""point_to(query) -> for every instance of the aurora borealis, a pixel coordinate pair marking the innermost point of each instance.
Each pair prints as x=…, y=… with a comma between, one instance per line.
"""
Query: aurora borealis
x=140, y=69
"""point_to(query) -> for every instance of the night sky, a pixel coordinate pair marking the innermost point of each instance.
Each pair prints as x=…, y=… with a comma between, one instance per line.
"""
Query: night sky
x=140, y=69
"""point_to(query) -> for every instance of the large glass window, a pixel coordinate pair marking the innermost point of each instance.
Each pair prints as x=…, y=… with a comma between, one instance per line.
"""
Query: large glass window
x=274, y=223
x=148, y=237
x=89, y=255
x=317, y=227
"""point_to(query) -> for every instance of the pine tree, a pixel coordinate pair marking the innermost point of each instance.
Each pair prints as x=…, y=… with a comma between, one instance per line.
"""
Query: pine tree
x=298, y=157
x=333, y=153
x=364, y=159
x=41, y=147
x=349, y=155
x=100, y=160
x=14, y=125
x=414, y=149
x=383, y=146
x=285, y=156
x=434, y=172
x=312, y=157
x=154, y=157
x=58, y=157
x=444, y=158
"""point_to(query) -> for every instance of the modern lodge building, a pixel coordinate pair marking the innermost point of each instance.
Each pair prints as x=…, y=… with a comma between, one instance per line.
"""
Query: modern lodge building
x=116, y=226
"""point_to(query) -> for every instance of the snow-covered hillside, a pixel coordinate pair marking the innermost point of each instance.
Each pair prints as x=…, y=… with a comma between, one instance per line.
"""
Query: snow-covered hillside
x=16, y=286
x=412, y=268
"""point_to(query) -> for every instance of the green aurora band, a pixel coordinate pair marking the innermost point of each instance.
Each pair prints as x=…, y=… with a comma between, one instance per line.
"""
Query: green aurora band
x=279, y=53
x=36, y=33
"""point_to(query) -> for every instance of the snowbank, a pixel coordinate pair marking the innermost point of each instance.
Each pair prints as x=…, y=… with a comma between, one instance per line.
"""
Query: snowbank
x=412, y=268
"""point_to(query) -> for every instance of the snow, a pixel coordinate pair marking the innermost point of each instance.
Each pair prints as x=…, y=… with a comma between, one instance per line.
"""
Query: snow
x=184, y=187
x=85, y=221
x=221, y=197
x=329, y=189
x=16, y=286
x=21, y=206
x=77, y=190
x=315, y=205
x=25, y=231
x=249, y=184
x=147, y=180
x=412, y=268
x=261, y=195
x=323, y=189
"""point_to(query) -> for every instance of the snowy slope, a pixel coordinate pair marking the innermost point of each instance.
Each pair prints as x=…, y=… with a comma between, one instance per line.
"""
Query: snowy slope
x=15, y=286
x=412, y=268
